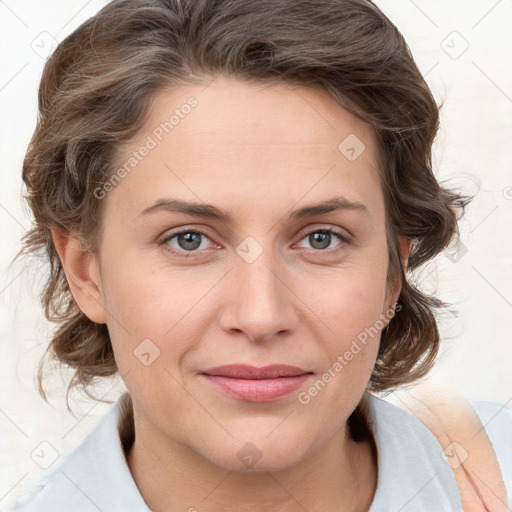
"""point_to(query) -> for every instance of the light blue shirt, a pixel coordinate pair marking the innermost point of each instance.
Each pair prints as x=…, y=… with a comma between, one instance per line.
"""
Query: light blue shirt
x=413, y=476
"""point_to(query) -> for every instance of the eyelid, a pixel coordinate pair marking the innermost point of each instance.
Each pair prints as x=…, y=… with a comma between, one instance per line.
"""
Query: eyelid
x=345, y=240
x=344, y=236
x=342, y=233
x=170, y=235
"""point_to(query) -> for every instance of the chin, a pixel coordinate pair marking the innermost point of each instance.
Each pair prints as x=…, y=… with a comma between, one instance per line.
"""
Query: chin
x=262, y=454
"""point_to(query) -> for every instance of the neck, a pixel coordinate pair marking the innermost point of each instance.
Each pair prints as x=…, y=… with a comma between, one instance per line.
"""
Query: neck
x=341, y=476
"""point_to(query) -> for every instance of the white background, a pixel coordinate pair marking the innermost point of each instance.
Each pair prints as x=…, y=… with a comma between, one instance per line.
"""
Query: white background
x=473, y=149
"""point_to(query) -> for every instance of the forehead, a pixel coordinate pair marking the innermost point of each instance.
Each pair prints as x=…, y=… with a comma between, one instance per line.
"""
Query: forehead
x=229, y=139
x=299, y=115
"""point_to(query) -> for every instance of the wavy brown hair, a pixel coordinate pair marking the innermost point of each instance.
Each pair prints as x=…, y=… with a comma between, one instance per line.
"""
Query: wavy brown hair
x=95, y=93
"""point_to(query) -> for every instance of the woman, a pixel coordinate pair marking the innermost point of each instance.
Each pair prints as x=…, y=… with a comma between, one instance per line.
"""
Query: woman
x=230, y=194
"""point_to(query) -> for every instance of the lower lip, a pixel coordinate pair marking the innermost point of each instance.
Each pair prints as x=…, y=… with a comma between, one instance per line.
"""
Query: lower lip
x=257, y=390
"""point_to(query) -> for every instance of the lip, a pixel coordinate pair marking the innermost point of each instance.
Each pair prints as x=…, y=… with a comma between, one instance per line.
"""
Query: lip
x=253, y=384
x=246, y=371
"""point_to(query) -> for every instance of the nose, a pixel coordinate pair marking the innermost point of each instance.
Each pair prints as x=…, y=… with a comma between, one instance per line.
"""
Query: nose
x=259, y=299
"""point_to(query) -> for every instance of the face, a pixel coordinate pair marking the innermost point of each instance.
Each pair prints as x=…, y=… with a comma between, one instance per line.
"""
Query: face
x=263, y=285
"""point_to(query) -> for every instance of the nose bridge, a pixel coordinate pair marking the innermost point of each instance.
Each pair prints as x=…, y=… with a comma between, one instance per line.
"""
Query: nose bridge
x=260, y=303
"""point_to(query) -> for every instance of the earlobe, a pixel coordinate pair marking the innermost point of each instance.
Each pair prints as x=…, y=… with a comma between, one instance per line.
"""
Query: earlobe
x=82, y=273
x=405, y=247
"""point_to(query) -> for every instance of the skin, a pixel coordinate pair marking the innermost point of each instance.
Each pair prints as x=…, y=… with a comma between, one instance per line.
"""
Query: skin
x=257, y=152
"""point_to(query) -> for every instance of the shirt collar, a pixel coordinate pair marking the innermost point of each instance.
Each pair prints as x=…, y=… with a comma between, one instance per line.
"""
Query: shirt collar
x=411, y=470
x=412, y=475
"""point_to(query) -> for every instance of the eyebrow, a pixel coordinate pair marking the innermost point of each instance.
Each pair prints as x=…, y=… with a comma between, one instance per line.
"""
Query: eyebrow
x=209, y=211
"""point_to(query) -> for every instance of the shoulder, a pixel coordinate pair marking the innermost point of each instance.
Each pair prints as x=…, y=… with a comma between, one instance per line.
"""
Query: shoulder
x=415, y=450
x=496, y=419
x=413, y=475
x=94, y=476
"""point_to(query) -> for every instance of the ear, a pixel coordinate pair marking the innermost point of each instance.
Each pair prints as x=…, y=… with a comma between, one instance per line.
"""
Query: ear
x=82, y=273
x=405, y=248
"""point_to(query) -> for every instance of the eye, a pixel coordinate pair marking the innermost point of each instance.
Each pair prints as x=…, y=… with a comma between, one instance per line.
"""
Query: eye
x=191, y=241
x=320, y=239
x=187, y=241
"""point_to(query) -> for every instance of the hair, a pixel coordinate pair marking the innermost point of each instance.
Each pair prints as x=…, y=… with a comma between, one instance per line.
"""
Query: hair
x=96, y=91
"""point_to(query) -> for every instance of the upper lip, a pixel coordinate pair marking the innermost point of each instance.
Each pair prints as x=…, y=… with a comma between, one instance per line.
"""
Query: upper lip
x=245, y=371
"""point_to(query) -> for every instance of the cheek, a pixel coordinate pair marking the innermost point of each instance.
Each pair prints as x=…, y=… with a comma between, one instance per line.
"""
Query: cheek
x=139, y=297
x=138, y=307
x=351, y=300
x=170, y=306
x=352, y=312
x=351, y=349
x=153, y=311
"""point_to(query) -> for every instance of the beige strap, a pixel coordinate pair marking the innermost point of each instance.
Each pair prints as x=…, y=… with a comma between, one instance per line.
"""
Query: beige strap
x=466, y=446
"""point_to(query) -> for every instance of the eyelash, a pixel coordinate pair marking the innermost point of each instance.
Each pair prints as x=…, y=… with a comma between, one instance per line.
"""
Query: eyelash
x=193, y=254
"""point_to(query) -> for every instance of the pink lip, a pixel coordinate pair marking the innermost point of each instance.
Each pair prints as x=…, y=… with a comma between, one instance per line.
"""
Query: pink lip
x=257, y=384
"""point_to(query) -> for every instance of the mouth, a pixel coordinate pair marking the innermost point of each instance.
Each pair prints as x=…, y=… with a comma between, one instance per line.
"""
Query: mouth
x=254, y=384
x=245, y=371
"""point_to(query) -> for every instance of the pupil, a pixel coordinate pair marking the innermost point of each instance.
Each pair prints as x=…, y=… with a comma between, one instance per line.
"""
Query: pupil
x=319, y=237
x=188, y=240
